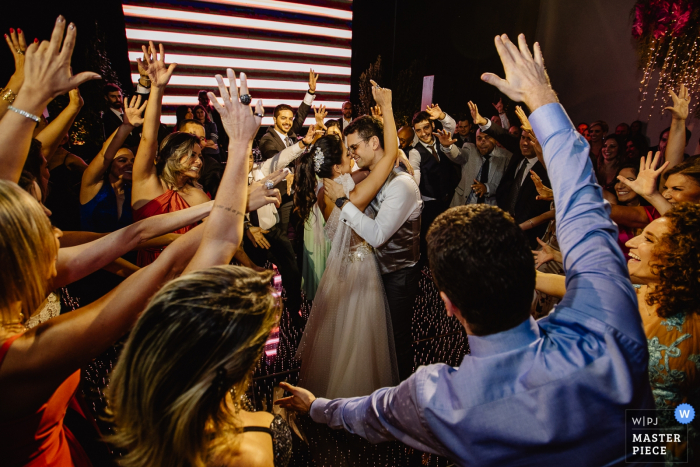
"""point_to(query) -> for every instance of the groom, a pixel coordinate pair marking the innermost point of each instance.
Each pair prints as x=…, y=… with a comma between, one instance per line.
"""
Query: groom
x=394, y=232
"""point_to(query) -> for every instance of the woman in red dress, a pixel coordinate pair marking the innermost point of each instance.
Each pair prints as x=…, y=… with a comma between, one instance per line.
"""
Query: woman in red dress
x=169, y=184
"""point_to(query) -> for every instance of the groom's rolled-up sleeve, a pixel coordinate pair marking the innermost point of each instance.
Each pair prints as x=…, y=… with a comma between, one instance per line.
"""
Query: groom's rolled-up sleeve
x=387, y=414
x=395, y=210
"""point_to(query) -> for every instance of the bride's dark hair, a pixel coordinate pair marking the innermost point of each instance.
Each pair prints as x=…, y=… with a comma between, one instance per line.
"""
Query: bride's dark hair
x=305, y=178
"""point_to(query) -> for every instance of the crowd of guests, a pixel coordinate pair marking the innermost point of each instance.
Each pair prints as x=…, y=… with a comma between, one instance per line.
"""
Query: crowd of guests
x=172, y=230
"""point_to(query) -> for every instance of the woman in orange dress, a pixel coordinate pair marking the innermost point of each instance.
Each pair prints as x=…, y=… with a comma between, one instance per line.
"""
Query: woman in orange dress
x=169, y=184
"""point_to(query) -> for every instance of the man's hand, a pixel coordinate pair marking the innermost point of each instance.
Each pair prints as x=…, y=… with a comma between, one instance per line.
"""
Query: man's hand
x=526, y=78
x=382, y=96
x=544, y=193
x=445, y=138
x=333, y=190
x=18, y=46
x=648, y=178
x=479, y=188
x=679, y=110
x=402, y=159
x=435, y=112
x=320, y=115
x=259, y=196
x=312, y=81
x=311, y=135
x=300, y=400
x=153, y=65
x=499, y=106
x=523, y=118
x=377, y=113
x=133, y=111
x=257, y=236
x=476, y=116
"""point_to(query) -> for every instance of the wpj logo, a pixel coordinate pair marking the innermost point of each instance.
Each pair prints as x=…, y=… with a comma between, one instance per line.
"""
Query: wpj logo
x=652, y=434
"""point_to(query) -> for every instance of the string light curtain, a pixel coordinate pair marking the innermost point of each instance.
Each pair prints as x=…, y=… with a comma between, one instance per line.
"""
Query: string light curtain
x=666, y=32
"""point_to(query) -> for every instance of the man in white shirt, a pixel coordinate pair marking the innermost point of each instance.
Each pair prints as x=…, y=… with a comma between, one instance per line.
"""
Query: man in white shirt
x=394, y=232
x=347, y=115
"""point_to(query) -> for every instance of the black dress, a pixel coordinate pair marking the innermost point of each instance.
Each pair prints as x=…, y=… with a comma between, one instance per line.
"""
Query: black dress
x=281, y=439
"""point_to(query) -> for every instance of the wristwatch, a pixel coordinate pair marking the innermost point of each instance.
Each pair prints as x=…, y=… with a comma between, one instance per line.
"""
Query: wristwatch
x=340, y=201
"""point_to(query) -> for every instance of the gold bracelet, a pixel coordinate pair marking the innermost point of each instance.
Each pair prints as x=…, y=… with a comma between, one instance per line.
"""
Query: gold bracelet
x=9, y=96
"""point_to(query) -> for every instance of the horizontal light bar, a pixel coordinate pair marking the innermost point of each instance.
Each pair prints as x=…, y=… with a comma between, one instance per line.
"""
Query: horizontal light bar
x=210, y=82
x=266, y=121
x=234, y=21
x=235, y=43
x=289, y=7
x=243, y=63
x=267, y=103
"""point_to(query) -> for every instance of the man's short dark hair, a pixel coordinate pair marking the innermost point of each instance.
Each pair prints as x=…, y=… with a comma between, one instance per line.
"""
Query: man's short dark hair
x=688, y=134
x=111, y=87
x=282, y=107
x=190, y=120
x=482, y=260
x=366, y=126
x=331, y=123
x=420, y=117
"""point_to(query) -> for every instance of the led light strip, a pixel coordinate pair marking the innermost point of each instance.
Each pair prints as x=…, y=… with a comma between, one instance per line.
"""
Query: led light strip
x=233, y=21
x=266, y=121
x=267, y=103
x=235, y=43
x=242, y=63
x=290, y=7
x=253, y=84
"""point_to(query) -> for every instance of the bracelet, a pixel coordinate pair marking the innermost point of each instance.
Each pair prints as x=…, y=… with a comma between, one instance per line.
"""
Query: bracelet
x=313, y=93
x=24, y=113
x=9, y=96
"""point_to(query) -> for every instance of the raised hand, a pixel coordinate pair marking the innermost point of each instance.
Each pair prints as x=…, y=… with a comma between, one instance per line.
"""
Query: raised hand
x=76, y=100
x=382, y=96
x=526, y=78
x=377, y=113
x=18, y=47
x=445, y=138
x=647, y=180
x=435, y=112
x=237, y=118
x=133, y=111
x=681, y=101
x=153, y=65
x=476, y=116
x=499, y=106
x=320, y=115
x=523, y=118
x=47, y=72
x=311, y=135
x=544, y=193
x=312, y=80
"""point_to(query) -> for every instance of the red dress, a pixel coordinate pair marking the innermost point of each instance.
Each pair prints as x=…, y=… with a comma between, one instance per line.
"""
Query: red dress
x=627, y=233
x=170, y=201
x=41, y=439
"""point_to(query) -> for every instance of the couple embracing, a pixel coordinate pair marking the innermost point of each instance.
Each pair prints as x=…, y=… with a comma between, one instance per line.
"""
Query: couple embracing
x=358, y=337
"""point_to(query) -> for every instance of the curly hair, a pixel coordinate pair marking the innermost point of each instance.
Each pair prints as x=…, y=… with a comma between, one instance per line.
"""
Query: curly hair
x=676, y=262
x=174, y=147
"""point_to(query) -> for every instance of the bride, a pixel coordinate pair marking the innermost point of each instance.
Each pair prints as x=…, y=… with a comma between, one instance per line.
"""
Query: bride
x=347, y=348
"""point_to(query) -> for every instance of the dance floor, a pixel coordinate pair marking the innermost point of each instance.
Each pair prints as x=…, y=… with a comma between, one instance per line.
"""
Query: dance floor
x=436, y=337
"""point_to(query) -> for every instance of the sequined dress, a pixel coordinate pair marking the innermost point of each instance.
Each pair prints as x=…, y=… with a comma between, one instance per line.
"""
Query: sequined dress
x=347, y=348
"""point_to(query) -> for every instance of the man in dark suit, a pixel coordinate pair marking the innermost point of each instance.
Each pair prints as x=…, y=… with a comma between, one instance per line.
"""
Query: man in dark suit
x=465, y=133
x=282, y=135
x=516, y=193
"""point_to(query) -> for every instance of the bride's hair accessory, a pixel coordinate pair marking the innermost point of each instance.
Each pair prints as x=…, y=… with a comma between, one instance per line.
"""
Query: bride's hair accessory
x=318, y=159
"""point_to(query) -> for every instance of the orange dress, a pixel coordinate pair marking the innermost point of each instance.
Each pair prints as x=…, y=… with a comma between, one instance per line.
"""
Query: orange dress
x=41, y=439
x=170, y=201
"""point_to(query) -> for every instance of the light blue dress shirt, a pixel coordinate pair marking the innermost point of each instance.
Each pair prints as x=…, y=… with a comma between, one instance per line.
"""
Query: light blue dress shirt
x=547, y=392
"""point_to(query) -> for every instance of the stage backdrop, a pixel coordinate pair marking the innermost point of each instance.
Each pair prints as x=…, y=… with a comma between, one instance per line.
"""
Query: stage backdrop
x=274, y=42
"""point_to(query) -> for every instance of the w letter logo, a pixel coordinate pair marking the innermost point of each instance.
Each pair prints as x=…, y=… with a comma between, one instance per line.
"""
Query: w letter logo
x=685, y=413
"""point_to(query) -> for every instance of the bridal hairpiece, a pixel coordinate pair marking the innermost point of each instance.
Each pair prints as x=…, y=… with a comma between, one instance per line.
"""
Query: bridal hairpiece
x=318, y=159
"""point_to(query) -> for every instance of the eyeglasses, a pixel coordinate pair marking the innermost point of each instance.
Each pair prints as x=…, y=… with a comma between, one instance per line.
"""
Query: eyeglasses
x=353, y=147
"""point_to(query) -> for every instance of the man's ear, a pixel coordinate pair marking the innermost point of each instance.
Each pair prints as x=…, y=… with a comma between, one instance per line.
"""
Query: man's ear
x=375, y=143
x=448, y=304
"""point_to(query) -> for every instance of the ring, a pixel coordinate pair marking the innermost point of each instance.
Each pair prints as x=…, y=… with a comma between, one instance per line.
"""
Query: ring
x=20, y=52
x=269, y=185
x=259, y=115
x=245, y=99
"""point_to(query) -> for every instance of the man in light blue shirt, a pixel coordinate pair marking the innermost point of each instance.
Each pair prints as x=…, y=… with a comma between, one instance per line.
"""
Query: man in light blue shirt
x=547, y=392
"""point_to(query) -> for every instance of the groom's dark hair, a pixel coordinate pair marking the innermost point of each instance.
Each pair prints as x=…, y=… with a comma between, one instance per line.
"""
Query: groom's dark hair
x=367, y=127
x=482, y=260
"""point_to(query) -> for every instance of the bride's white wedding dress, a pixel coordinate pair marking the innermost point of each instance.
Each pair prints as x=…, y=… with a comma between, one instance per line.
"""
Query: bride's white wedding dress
x=347, y=348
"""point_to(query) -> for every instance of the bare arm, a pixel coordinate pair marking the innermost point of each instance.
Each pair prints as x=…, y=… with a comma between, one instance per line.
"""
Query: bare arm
x=78, y=261
x=551, y=284
x=51, y=136
x=634, y=217
x=121, y=267
x=537, y=220
x=676, y=136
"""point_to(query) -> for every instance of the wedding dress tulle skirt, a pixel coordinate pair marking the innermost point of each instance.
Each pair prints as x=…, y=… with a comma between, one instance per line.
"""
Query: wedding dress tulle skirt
x=347, y=348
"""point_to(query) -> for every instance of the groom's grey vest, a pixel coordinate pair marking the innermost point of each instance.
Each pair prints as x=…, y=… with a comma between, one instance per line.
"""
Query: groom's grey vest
x=403, y=248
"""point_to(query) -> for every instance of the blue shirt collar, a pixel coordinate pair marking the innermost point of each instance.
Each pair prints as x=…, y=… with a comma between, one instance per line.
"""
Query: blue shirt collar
x=520, y=336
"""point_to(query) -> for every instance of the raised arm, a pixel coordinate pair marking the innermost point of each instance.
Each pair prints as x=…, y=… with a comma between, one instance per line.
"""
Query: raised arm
x=448, y=123
x=456, y=154
x=676, y=136
x=146, y=184
x=285, y=157
x=47, y=74
x=223, y=230
x=305, y=105
x=18, y=46
x=597, y=279
x=78, y=261
x=51, y=136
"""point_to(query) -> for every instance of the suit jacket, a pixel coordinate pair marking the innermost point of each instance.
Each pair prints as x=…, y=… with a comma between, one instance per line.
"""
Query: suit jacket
x=271, y=143
x=471, y=161
x=111, y=122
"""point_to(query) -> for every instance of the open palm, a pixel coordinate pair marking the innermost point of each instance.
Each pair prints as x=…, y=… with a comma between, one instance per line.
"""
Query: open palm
x=681, y=101
x=153, y=63
x=646, y=183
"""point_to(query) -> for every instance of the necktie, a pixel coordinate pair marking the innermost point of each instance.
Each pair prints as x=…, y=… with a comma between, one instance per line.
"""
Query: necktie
x=515, y=188
x=435, y=154
x=289, y=141
x=484, y=176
